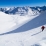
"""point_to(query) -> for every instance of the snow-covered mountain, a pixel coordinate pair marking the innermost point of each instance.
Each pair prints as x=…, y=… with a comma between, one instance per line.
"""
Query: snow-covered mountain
x=23, y=10
x=24, y=27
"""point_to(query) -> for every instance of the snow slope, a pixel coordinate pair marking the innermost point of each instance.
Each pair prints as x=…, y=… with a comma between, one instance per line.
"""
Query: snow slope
x=5, y=22
x=10, y=22
x=28, y=34
x=23, y=39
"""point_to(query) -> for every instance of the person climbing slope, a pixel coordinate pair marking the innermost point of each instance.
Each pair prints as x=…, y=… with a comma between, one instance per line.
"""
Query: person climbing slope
x=43, y=27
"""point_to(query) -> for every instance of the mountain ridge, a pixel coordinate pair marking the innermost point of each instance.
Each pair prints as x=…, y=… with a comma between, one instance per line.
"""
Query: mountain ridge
x=23, y=10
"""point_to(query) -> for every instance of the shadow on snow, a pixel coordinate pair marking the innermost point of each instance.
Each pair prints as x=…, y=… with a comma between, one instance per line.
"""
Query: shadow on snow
x=36, y=22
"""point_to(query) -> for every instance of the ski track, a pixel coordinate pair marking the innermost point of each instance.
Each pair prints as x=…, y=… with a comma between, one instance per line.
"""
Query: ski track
x=36, y=33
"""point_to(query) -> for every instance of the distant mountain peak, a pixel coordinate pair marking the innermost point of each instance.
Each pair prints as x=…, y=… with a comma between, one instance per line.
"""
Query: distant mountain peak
x=23, y=10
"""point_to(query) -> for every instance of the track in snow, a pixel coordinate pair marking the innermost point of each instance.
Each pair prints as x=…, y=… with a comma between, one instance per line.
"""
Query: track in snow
x=36, y=33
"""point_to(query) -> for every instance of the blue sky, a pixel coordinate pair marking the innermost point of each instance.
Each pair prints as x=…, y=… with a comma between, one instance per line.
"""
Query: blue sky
x=10, y=3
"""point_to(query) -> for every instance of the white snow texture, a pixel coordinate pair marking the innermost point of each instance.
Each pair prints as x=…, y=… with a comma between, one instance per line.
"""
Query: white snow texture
x=16, y=30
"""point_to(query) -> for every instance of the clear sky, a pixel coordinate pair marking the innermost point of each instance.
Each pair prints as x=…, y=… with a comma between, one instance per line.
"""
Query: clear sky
x=10, y=3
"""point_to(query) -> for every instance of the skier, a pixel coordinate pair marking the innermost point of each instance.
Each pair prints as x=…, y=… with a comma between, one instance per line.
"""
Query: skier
x=42, y=28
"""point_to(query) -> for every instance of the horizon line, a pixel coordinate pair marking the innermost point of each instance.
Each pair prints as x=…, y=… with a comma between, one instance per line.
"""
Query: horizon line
x=22, y=6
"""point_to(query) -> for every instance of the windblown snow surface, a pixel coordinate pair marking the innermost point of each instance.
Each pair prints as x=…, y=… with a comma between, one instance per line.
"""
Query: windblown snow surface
x=16, y=30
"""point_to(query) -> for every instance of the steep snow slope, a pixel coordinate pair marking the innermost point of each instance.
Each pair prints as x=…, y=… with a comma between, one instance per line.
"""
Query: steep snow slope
x=10, y=22
x=33, y=23
x=32, y=36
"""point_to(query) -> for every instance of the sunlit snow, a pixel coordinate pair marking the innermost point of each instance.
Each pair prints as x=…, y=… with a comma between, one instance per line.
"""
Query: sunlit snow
x=12, y=29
